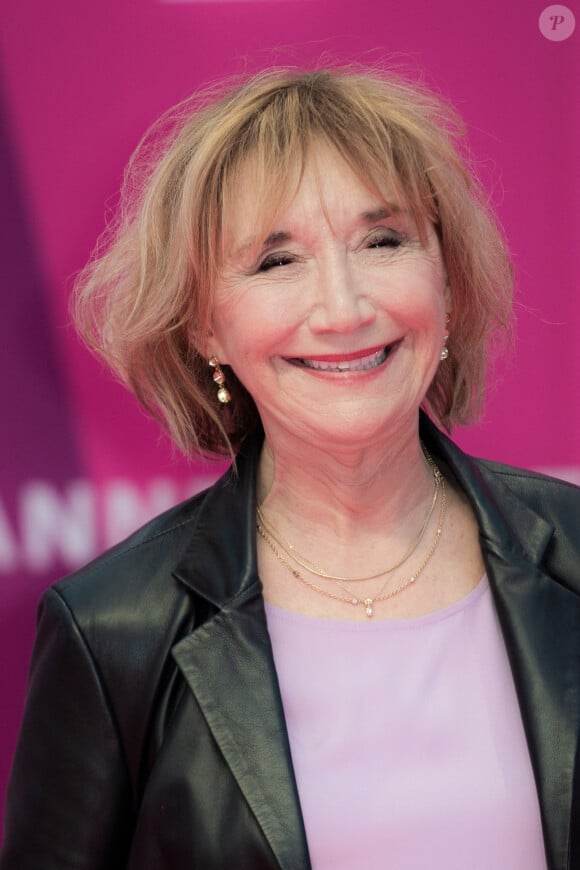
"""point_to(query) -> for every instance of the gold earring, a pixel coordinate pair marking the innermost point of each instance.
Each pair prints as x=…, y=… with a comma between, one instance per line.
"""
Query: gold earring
x=445, y=350
x=220, y=379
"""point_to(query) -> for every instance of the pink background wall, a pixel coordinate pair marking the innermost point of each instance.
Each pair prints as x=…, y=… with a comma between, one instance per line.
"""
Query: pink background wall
x=81, y=81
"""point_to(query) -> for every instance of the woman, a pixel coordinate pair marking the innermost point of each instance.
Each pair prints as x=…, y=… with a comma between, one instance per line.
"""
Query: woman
x=360, y=648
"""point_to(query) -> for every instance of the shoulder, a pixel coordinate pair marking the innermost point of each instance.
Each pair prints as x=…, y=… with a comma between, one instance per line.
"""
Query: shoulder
x=136, y=584
x=538, y=507
x=518, y=509
x=558, y=501
x=142, y=561
x=490, y=483
x=120, y=616
x=130, y=589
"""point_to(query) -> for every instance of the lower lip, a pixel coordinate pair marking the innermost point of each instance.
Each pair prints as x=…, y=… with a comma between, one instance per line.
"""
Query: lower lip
x=349, y=374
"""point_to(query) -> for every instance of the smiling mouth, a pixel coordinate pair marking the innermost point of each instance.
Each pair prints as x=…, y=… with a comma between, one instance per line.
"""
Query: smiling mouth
x=359, y=364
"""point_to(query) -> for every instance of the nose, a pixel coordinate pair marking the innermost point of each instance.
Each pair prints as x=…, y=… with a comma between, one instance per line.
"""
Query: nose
x=340, y=304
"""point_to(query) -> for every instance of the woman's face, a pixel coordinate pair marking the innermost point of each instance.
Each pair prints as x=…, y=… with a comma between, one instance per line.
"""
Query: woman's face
x=334, y=322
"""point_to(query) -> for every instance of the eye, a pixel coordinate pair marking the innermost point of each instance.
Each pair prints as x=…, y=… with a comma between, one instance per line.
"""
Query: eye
x=275, y=260
x=385, y=239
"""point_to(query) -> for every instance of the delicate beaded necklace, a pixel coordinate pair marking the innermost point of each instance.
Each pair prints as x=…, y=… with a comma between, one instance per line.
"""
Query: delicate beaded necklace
x=383, y=594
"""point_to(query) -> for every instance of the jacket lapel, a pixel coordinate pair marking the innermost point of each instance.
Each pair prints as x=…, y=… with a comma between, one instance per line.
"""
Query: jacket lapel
x=540, y=620
x=227, y=662
x=541, y=625
x=228, y=665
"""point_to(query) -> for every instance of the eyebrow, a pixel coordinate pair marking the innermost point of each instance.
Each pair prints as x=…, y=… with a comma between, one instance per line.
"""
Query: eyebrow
x=278, y=237
x=380, y=214
x=368, y=217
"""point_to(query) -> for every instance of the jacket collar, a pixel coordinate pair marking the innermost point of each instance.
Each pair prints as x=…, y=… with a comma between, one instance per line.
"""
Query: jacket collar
x=220, y=562
x=505, y=522
x=229, y=659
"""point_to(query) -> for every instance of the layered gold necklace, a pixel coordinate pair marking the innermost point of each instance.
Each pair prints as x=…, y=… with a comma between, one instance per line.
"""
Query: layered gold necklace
x=290, y=558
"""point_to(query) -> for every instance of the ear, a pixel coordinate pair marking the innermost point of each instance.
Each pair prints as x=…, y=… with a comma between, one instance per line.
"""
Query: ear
x=214, y=347
x=208, y=345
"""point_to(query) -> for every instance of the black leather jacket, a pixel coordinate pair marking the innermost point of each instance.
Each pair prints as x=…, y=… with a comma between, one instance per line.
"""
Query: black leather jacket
x=154, y=738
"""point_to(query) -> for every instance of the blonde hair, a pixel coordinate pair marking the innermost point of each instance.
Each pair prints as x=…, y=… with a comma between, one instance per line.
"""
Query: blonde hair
x=144, y=301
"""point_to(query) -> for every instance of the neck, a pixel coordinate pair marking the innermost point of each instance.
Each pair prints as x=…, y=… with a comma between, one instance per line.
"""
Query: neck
x=350, y=494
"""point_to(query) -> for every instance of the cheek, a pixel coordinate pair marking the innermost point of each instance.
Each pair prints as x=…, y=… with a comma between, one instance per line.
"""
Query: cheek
x=226, y=321
x=422, y=311
x=239, y=338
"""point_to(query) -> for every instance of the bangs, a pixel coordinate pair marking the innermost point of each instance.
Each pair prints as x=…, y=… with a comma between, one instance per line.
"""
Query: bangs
x=257, y=178
x=266, y=162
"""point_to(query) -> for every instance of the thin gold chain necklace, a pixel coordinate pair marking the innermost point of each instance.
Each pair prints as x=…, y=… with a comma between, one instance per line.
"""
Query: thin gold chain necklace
x=368, y=602
x=312, y=568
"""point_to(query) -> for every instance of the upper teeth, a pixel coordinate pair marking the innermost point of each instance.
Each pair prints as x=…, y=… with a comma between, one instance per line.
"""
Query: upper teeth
x=352, y=365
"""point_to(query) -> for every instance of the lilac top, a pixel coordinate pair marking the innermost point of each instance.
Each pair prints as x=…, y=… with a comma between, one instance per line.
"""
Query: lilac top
x=407, y=741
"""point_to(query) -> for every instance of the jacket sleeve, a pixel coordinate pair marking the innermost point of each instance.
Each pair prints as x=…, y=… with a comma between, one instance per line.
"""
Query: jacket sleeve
x=69, y=799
